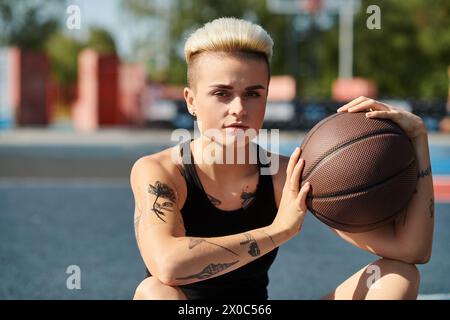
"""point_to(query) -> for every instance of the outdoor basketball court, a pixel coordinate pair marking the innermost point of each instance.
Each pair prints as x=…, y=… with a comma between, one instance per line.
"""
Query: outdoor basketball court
x=50, y=223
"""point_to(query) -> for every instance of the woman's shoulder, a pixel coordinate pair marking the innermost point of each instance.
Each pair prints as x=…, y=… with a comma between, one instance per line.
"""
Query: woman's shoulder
x=167, y=159
x=164, y=164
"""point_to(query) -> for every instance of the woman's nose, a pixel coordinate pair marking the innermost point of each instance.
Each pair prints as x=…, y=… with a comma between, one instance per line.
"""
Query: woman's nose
x=237, y=108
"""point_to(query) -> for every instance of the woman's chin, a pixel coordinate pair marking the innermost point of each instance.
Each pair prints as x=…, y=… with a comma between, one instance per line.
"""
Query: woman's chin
x=237, y=137
x=232, y=137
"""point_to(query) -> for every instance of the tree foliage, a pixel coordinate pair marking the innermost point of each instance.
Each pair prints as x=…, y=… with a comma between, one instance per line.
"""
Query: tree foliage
x=408, y=57
x=28, y=24
x=63, y=52
x=101, y=41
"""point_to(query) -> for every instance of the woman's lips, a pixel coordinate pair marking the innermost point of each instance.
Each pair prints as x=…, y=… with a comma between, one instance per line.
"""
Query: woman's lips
x=235, y=128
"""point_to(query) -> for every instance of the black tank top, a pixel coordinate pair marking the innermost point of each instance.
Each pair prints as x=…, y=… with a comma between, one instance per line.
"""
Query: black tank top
x=203, y=219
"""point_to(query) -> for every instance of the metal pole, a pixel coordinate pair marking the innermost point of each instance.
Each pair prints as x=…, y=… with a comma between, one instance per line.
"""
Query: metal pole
x=346, y=39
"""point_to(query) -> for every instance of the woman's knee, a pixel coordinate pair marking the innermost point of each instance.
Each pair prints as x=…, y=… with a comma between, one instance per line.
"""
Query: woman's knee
x=406, y=270
x=153, y=289
x=402, y=276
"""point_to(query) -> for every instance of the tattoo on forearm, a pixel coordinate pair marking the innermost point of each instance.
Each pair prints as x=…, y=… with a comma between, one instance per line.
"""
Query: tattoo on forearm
x=209, y=271
x=247, y=198
x=253, y=249
x=425, y=172
x=271, y=239
x=193, y=242
x=213, y=200
x=431, y=207
x=162, y=190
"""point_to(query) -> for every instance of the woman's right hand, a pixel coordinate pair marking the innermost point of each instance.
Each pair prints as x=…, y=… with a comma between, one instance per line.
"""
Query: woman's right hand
x=292, y=208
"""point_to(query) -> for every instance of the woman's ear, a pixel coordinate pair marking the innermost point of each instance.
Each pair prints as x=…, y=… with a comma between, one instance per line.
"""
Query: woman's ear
x=190, y=100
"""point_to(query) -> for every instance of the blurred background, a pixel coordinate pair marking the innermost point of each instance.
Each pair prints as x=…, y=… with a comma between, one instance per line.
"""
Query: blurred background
x=88, y=87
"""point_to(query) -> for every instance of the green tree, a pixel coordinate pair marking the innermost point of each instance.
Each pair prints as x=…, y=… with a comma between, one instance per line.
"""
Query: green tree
x=63, y=52
x=101, y=41
x=185, y=16
x=28, y=24
x=408, y=57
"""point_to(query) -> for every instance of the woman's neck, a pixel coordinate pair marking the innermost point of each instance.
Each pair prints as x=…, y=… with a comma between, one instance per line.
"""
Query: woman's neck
x=225, y=163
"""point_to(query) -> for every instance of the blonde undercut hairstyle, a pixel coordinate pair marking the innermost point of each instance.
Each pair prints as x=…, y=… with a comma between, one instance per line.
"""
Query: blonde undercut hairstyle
x=234, y=36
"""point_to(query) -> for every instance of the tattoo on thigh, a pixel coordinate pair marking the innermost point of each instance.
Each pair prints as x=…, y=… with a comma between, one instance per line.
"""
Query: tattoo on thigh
x=253, y=248
x=431, y=207
x=162, y=190
x=209, y=271
x=193, y=242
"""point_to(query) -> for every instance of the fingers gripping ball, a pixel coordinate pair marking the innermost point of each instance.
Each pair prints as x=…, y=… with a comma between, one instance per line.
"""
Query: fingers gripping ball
x=362, y=171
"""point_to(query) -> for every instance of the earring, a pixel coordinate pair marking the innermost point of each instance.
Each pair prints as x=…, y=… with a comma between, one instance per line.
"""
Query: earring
x=193, y=114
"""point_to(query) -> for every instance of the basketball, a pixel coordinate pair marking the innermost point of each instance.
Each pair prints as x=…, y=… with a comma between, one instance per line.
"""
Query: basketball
x=362, y=171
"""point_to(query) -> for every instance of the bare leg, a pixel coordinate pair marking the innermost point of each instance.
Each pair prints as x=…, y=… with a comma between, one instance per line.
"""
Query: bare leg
x=397, y=281
x=153, y=289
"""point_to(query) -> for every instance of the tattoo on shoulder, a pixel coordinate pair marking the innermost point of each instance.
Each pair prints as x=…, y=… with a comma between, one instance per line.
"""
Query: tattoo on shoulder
x=209, y=271
x=431, y=207
x=247, y=198
x=253, y=249
x=193, y=242
x=162, y=190
x=425, y=172
x=213, y=200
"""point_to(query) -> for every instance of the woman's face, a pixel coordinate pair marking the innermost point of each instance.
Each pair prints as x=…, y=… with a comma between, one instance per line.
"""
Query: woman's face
x=228, y=94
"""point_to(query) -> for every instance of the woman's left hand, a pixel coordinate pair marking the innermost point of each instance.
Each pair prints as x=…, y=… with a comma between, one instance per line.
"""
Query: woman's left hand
x=410, y=123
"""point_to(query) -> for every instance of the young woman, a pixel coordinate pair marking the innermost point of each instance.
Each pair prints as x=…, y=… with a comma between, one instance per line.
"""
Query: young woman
x=211, y=229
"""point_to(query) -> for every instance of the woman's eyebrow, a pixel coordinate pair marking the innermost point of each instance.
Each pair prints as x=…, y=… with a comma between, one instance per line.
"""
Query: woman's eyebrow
x=255, y=87
x=224, y=86
x=221, y=86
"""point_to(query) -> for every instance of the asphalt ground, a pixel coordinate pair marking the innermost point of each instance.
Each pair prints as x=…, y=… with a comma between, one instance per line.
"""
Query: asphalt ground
x=68, y=202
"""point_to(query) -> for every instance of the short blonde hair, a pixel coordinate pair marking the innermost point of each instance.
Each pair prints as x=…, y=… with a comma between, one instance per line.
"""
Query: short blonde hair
x=229, y=35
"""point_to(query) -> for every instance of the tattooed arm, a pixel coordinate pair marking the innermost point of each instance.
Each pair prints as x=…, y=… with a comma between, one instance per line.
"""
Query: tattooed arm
x=409, y=237
x=168, y=253
x=196, y=259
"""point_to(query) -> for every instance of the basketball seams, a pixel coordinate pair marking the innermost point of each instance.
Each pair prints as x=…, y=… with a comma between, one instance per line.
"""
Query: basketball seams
x=354, y=228
x=363, y=189
x=334, y=149
x=363, y=170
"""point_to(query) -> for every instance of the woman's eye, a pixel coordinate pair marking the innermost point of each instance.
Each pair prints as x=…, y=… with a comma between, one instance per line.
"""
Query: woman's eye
x=221, y=93
x=252, y=94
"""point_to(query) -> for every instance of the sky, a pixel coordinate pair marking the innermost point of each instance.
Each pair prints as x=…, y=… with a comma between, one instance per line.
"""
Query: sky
x=105, y=13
